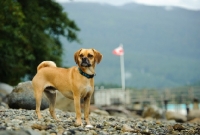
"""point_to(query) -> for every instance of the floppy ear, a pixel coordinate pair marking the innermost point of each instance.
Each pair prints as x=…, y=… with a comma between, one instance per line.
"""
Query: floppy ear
x=98, y=56
x=76, y=54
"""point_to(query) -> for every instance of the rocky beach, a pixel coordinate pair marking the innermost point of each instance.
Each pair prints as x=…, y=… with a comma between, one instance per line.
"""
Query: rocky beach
x=25, y=122
x=18, y=117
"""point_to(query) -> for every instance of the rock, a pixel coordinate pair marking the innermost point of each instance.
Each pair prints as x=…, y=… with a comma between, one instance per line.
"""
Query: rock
x=178, y=117
x=170, y=129
x=127, y=128
x=92, y=132
x=118, y=111
x=100, y=126
x=22, y=96
x=13, y=132
x=178, y=127
x=69, y=132
x=64, y=104
x=40, y=127
x=193, y=114
x=195, y=120
x=197, y=130
x=195, y=104
x=153, y=112
x=89, y=126
x=3, y=105
x=5, y=89
x=33, y=132
x=101, y=112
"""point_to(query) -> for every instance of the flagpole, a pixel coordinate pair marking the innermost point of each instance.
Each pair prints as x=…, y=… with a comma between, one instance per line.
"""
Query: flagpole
x=120, y=52
x=122, y=70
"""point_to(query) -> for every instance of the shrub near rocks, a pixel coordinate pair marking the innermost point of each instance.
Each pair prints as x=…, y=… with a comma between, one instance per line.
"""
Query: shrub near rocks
x=22, y=97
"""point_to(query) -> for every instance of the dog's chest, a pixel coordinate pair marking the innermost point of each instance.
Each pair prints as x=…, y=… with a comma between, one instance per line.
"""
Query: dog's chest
x=88, y=88
x=85, y=90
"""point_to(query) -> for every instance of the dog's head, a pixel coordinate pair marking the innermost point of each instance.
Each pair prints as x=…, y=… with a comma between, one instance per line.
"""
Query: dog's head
x=87, y=57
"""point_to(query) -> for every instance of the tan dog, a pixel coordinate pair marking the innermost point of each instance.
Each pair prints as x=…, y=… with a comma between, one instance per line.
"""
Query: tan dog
x=75, y=83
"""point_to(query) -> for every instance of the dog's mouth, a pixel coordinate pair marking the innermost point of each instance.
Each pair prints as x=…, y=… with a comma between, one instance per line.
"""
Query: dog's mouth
x=85, y=62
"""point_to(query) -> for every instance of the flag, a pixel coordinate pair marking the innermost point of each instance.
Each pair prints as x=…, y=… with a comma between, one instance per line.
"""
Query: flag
x=118, y=51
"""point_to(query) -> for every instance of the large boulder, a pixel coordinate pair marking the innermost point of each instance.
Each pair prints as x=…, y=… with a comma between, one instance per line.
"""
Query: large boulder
x=193, y=114
x=64, y=104
x=118, y=111
x=5, y=89
x=178, y=117
x=100, y=112
x=153, y=111
x=22, y=97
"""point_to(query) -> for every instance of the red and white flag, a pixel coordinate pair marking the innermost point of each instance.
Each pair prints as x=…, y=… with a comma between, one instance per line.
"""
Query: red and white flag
x=118, y=51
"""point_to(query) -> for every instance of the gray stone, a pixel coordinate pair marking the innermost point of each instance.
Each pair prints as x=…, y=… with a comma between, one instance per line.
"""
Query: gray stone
x=193, y=114
x=20, y=132
x=63, y=103
x=5, y=89
x=101, y=112
x=178, y=117
x=22, y=97
x=153, y=111
x=3, y=105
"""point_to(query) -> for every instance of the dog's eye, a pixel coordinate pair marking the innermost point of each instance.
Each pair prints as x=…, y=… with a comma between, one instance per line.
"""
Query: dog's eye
x=81, y=55
x=90, y=56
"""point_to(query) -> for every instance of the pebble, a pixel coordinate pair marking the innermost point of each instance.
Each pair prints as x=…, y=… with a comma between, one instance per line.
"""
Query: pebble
x=26, y=122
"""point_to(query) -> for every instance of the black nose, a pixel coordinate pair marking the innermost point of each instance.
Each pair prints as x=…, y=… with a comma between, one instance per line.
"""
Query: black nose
x=85, y=62
x=84, y=59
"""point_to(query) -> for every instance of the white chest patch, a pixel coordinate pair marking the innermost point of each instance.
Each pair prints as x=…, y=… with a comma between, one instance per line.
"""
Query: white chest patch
x=88, y=88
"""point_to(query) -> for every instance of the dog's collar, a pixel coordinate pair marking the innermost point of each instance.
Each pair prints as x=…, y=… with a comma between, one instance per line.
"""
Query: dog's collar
x=85, y=74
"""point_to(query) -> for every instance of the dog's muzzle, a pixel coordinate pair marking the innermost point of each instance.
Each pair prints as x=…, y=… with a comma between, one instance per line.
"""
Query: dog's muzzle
x=85, y=62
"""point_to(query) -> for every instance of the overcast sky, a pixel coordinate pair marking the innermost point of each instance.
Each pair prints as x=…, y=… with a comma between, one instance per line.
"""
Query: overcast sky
x=188, y=4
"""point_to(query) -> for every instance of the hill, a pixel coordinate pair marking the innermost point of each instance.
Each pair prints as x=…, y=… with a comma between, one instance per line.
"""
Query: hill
x=162, y=47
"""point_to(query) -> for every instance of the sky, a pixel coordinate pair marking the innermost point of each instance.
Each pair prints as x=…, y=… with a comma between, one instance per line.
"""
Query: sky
x=187, y=4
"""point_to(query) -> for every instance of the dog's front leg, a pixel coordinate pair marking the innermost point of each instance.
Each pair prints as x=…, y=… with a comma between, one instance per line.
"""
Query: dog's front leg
x=87, y=108
x=78, y=110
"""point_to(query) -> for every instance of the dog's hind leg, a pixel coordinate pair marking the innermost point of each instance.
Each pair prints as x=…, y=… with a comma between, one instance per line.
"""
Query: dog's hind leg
x=51, y=95
x=38, y=99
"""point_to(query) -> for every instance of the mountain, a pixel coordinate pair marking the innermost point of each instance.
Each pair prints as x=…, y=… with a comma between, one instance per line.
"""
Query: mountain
x=162, y=47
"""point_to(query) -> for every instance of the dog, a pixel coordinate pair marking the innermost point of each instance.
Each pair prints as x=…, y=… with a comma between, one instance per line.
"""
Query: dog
x=75, y=83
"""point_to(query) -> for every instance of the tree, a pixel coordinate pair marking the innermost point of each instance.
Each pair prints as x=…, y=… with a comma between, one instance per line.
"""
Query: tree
x=29, y=34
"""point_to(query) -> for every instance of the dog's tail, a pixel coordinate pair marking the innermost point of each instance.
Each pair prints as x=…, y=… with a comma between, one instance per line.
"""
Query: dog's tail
x=46, y=64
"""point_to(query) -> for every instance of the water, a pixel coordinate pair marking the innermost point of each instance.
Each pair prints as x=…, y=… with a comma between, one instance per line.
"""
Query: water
x=181, y=108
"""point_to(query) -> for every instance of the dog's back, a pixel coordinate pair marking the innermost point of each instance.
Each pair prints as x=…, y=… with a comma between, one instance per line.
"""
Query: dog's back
x=46, y=64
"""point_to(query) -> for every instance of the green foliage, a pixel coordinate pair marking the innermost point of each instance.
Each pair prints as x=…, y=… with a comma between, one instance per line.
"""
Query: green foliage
x=29, y=34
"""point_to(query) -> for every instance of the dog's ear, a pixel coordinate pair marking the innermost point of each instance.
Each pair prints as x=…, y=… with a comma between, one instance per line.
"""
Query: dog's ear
x=98, y=56
x=76, y=54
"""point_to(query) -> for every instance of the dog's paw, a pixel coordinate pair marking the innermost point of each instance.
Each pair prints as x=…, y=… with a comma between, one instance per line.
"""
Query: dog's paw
x=78, y=124
x=89, y=126
x=57, y=120
x=41, y=119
